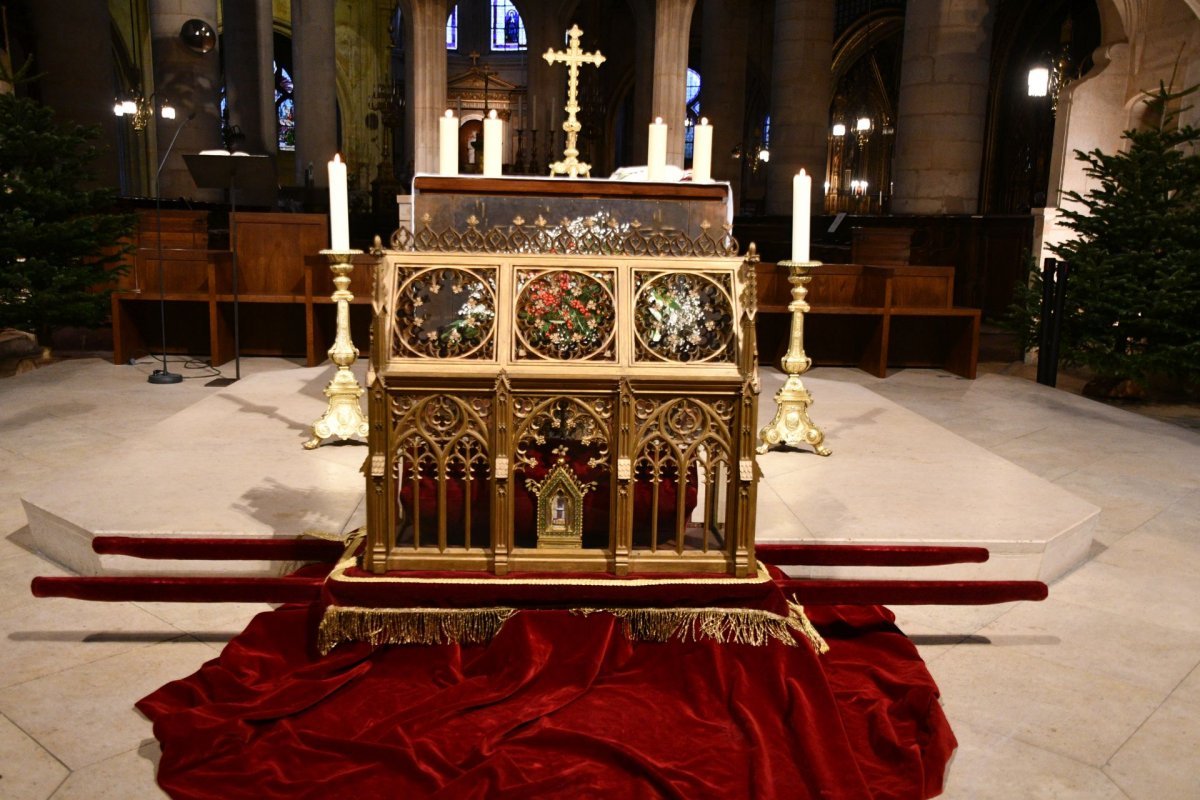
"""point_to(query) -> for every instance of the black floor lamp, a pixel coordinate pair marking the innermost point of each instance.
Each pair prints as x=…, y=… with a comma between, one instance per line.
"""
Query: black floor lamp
x=164, y=375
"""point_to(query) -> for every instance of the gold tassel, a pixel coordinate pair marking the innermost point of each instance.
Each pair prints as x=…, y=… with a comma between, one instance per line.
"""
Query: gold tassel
x=800, y=622
x=350, y=540
x=409, y=625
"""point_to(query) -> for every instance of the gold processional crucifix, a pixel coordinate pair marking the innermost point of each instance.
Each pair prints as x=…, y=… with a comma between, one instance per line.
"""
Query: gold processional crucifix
x=573, y=56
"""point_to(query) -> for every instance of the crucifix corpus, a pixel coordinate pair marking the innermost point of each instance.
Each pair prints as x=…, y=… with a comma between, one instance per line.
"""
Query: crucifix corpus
x=573, y=56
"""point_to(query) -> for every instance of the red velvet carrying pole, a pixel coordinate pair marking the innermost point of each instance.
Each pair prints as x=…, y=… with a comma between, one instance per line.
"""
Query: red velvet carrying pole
x=911, y=593
x=219, y=549
x=181, y=590
x=866, y=555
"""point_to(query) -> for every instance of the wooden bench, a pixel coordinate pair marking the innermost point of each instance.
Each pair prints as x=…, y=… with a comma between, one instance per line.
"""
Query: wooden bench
x=283, y=289
x=876, y=316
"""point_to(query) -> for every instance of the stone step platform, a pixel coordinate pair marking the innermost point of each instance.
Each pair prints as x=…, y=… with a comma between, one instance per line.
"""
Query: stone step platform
x=897, y=478
x=232, y=465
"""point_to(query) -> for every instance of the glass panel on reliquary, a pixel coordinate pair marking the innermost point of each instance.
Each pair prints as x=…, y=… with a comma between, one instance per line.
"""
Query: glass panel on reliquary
x=445, y=312
x=683, y=316
x=566, y=315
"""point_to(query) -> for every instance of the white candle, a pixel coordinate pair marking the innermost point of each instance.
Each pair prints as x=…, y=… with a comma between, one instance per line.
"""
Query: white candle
x=339, y=210
x=702, y=152
x=656, y=151
x=801, y=205
x=493, y=141
x=448, y=144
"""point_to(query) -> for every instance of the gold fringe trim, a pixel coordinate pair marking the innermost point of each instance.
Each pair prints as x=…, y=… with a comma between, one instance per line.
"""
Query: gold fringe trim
x=409, y=625
x=750, y=626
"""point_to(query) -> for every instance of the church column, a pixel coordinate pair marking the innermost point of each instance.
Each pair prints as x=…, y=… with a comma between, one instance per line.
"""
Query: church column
x=192, y=82
x=800, y=94
x=943, y=102
x=315, y=95
x=426, y=77
x=249, y=49
x=545, y=29
x=643, y=64
x=426, y=85
x=723, y=84
x=672, y=32
x=1087, y=119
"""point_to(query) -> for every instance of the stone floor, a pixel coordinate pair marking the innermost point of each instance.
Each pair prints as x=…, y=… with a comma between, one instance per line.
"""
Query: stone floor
x=1094, y=693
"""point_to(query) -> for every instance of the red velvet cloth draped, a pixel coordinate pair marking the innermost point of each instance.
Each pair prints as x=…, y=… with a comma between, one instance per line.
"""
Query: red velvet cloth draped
x=556, y=705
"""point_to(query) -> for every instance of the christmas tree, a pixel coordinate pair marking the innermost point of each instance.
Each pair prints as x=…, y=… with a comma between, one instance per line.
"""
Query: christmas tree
x=60, y=246
x=1133, y=296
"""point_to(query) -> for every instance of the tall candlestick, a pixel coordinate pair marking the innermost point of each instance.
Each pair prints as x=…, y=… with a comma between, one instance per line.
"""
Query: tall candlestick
x=493, y=141
x=448, y=144
x=702, y=152
x=801, y=205
x=656, y=151
x=535, y=116
x=339, y=210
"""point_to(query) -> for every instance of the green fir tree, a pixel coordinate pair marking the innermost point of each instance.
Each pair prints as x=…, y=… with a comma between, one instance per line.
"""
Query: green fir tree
x=1133, y=294
x=60, y=245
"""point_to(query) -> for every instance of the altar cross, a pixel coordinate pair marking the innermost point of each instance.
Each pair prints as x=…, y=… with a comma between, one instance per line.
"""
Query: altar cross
x=573, y=56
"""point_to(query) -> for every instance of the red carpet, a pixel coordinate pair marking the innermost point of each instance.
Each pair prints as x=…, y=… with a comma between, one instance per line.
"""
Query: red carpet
x=556, y=705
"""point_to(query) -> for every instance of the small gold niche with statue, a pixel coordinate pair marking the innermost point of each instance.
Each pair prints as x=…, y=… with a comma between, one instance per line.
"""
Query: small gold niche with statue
x=575, y=395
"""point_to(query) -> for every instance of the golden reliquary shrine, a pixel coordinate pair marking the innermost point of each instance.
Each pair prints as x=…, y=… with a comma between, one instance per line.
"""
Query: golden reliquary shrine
x=563, y=378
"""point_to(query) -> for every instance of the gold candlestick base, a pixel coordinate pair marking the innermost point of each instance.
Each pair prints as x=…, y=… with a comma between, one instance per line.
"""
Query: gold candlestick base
x=792, y=426
x=343, y=416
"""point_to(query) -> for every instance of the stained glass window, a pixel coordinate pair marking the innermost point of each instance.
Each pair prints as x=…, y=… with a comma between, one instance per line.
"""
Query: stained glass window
x=508, y=30
x=692, y=93
x=452, y=29
x=285, y=108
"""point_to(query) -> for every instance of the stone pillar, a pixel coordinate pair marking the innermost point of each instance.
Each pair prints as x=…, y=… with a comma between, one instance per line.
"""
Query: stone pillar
x=249, y=50
x=800, y=94
x=643, y=64
x=672, y=32
x=76, y=67
x=723, y=85
x=191, y=81
x=942, y=107
x=546, y=29
x=1090, y=116
x=425, y=27
x=315, y=96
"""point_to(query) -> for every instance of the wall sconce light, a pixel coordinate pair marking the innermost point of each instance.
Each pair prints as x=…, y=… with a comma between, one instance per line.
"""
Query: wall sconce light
x=139, y=109
x=1049, y=81
x=839, y=129
x=756, y=155
x=863, y=125
x=1039, y=82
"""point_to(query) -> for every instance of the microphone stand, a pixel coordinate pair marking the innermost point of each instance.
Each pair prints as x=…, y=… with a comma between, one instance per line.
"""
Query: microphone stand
x=164, y=375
